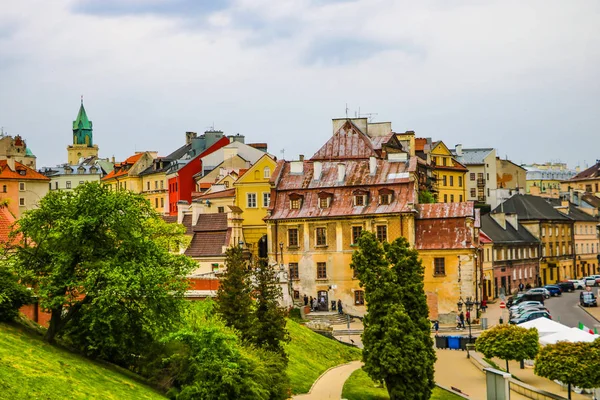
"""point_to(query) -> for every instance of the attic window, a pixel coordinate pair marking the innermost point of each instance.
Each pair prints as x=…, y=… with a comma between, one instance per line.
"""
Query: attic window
x=22, y=172
x=295, y=201
x=325, y=199
x=360, y=198
x=385, y=196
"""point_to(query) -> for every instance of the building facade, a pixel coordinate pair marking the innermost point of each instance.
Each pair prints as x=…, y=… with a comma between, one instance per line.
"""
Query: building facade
x=16, y=149
x=544, y=180
x=587, y=181
x=449, y=175
x=481, y=179
x=22, y=187
x=68, y=177
x=126, y=175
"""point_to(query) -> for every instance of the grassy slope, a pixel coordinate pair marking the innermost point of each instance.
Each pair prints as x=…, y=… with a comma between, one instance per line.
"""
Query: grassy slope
x=312, y=354
x=360, y=387
x=32, y=369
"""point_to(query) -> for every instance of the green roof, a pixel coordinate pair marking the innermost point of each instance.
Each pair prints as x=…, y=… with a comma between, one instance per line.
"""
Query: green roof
x=82, y=121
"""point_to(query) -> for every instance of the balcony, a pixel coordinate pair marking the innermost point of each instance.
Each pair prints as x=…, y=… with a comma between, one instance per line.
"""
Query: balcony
x=481, y=199
x=480, y=182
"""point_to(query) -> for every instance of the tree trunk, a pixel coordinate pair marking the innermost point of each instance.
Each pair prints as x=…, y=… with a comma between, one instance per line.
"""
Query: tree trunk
x=522, y=364
x=54, y=326
x=569, y=386
x=507, y=366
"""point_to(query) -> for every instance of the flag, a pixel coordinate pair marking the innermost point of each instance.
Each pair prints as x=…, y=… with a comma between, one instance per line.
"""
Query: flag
x=585, y=328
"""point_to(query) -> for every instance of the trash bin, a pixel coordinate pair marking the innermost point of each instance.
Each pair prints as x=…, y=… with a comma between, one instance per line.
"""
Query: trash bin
x=463, y=342
x=454, y=342
x=484, y=324
x=441, y=342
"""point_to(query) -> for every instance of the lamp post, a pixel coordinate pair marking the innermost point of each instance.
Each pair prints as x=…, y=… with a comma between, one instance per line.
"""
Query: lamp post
x=469, y=303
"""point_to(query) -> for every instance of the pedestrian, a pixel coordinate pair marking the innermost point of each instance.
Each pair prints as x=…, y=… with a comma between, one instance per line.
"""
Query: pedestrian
x=521, y=287
x=483, y=305
x=305, y=299
x=332, y=305
x=462, y=320
x=458, y=324
x=436, y=326
x=339, y=306
x=528, y=286
x=310, y=303
x=468, y=315
x=314, y=304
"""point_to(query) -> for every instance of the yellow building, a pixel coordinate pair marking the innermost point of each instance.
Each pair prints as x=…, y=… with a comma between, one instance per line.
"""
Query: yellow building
x=154, y=184
x=253, y=197
x=449, y=175
x=126, y=174
x=486, y=254
x=587, y=181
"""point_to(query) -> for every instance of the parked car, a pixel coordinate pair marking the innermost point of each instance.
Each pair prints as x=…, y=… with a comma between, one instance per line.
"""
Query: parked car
x=592, y=280
x=525, y=304
x=566, y=286
x=587, y=299
x=543, y=291
x=578, y=283
x=524, y=311
x=554, y=290
x=530, y=316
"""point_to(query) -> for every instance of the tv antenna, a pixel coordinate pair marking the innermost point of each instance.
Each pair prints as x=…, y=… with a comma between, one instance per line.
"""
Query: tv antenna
x=282, y=151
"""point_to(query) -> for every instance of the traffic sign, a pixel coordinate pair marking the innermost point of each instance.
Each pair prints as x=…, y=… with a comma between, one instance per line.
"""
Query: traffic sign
x=502, y=305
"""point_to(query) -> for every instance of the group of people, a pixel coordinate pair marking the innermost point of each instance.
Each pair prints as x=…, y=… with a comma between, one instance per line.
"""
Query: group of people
x=321, y=305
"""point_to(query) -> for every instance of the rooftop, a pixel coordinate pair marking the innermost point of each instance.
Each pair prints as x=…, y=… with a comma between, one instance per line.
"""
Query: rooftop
x=528, y=208
x=472, y=156
x=508, y=235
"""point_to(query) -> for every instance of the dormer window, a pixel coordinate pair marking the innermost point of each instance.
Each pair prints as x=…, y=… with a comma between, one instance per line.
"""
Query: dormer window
x=385, y=196
x=295, y=201
x=325, y=199
x=360, y=198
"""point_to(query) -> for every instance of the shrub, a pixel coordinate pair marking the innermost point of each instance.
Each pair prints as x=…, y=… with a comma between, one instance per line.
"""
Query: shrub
x=13, y=295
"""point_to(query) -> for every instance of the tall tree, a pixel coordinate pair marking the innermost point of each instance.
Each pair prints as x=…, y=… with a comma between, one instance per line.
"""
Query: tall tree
x=397, y=351
x=509, y=342
x=234, y=298
x=99, y=263
x=269, y=330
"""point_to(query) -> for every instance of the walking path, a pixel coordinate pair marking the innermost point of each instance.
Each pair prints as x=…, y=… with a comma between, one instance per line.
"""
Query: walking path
x=330, y=384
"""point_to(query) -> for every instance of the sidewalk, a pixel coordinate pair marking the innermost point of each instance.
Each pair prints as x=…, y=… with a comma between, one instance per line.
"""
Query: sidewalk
x=593, y=311
x=329, y=386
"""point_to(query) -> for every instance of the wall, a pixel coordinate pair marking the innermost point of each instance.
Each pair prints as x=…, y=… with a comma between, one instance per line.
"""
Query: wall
x=75, y=180
x=77, y=151
x=509, y=175
x=587, y=247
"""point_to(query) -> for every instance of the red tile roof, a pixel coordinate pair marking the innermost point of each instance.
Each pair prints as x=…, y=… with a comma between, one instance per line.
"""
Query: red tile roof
x=20, y=171
x=446, y=210
x=6, y=222
x=592, y=172
x=211, y=222
x=120, y=168
x=420, y=144
x=217, y=195
x=347, y=143
x=207, y=244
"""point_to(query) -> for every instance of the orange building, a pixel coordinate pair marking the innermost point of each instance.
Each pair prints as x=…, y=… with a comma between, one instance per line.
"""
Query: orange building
x=21, y=188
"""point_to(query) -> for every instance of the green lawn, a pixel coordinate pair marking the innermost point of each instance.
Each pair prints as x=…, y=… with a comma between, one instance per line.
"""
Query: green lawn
x=32, y=369
x=312, y=354
x=360, y=387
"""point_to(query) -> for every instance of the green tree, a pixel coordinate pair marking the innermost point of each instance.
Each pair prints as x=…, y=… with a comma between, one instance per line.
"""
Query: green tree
x=234, y=298
x=575, y=364
x=425, y=197
x=13, y=295
x=509, y=342
x=99, y=261
x=397, y=348
x=269, y=330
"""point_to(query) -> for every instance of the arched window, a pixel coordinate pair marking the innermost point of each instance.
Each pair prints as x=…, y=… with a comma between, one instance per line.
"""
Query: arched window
x=266, y=172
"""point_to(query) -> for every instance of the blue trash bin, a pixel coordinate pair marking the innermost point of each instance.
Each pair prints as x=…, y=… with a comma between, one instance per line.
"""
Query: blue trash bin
x=454, y=342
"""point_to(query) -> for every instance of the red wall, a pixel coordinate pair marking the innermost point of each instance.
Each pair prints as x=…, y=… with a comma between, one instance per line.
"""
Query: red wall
x=182, y=186
x=41, y=317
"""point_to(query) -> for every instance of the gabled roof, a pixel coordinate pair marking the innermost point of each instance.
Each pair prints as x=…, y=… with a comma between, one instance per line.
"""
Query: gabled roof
x=217, y=195
x=446, y=210
x=592, y=172
x=121, y=167
x=508, y=235
x=210, y=235
x=528, y=208
x=211, y=222
x=574, y=213
x=591, y=200
x=347, y=143
x=472, y=156
x=21, y=172
x=180, y=152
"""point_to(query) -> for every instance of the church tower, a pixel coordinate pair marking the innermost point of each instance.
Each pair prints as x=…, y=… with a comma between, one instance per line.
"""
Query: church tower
x=83, y=145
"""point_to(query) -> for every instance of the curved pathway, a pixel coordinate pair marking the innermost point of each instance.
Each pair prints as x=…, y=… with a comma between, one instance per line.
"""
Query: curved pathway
x=330, y=384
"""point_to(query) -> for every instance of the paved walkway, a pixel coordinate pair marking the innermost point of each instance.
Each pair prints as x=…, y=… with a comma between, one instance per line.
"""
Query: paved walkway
x=329, y=385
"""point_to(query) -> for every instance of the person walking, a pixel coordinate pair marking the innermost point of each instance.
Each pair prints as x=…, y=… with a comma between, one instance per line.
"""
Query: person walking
x=468, y=316
x=483, y=305
x=339, y=306
x=462, y=320
x=521, y=287
x=436, y=326
x=310, y=303
x=458, y=324
x=305, y=299
x=314, y=304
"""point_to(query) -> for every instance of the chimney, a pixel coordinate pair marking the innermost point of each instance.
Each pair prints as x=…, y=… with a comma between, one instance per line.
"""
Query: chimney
x=301, y=157
x=372, y=165
x=317, y=169
x=341, y=172
x=189, y=136
x=11, y=163
x=458, y=150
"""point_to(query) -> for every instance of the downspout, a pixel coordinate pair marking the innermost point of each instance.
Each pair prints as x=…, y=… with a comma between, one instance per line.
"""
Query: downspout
x=276, y=237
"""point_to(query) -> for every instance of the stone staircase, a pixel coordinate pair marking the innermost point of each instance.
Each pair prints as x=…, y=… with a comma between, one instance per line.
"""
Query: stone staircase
x=328, y=317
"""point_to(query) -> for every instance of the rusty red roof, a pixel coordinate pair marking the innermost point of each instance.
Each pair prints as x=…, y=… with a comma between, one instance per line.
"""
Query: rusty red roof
x=592, y=172
x=347, y=143
x=211, y=222
x=447, y=210
x=208, y=244
x=6, y=227
x=483, y=238
x=420, y=144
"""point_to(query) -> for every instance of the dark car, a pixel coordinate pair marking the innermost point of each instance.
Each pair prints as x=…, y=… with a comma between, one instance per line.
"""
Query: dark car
x=554, y=290
x=566, y=286
x=587, y=299
x=530, y=316
x=513, y=301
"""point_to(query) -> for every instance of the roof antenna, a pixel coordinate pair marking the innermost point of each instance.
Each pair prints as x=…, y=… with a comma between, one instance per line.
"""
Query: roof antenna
x=346, y=110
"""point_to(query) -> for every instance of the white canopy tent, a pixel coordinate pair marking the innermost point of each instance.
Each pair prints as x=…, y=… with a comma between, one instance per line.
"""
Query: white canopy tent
x=545, y=326
x=572, y=335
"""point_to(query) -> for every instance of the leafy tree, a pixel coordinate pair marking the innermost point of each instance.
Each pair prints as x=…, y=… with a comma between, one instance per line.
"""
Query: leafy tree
x=397, y=347
x=571, y=363
x=509, y=342
x=13, y=295
x=234, y=298
x=425, y=197
x=100, y=263
x=269, y=323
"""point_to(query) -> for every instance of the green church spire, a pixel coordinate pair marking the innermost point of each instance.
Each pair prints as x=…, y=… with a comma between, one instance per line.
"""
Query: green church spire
x=82, y=128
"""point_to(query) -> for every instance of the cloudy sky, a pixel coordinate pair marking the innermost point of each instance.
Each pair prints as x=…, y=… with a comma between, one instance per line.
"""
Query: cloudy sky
x=522, y=77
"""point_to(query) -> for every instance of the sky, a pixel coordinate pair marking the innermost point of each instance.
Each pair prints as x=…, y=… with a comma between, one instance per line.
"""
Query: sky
x=520, y=76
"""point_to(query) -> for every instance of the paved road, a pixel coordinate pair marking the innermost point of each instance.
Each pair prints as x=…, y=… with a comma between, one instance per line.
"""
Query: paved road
x=565, y=309
x=329, y=385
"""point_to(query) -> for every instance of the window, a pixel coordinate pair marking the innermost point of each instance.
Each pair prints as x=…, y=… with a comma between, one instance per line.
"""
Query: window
x=444, y=161
x=266, y=172
x=488, y=192
x=266, y=199
x=451, y=198
x=487, y=177
x=294, y=275
x=439, y=266
x=162, y=184
x=556, y=231
x=356, y=231
x=293, y=237
x=550, y=230
x=296, y=294
x=22, y=186
x=324, y=202
x=359, y=297
x=226, y=183
x=543, y=231
x=461, y=198
x=321, y=236
x=480, y=177
x=382, y=233
x=472, y=176
x=359, y=200
x=124, y=185
x=221, y=210
x=445, y=198
x=385, y=199
x=162, y=202
x=451, y=180
x=22, y=201
x=81, y=182
x=444, y=180
x=460, y=182
x=295, y=203
x=148, y=185
x=321, y=270
x=4, y=187
x=473, y=193
x=68, y=184
x=251, y=200
x=156, y=202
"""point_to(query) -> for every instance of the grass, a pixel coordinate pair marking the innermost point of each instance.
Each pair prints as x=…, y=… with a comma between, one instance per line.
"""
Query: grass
x=312, y=354
x=360, y=387
x=32, y=369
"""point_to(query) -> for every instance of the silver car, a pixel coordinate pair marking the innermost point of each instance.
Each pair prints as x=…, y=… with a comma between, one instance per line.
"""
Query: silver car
x=540, y=290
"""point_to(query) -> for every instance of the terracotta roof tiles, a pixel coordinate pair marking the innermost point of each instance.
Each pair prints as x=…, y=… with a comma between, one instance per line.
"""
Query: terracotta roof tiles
x=19, y=171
